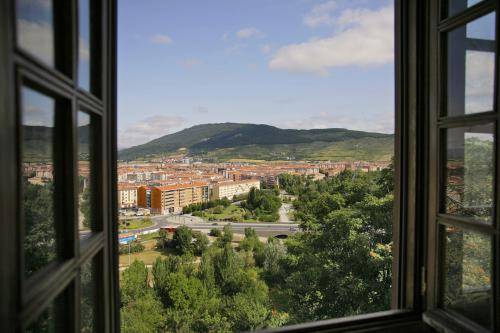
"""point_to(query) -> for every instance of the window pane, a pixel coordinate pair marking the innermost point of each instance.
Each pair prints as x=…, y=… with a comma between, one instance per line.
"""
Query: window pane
x=56, y=318
x=84, y=45
x=88, y=290
x=467, y=269
x=469, y=172
x=456, y=6
x=471, y=67
x=35, y=28
x=38, y=115
x=86, y=194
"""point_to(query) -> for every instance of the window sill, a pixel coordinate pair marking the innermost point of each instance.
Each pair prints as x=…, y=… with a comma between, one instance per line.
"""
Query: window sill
x=386, y=321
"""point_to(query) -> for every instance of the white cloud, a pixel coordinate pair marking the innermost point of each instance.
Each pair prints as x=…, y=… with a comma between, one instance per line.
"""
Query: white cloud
x=479, y=81
x=248, y=33
x=321, y=14
x=84, y=50
x=382, y=123
x=190, y=63
x=148, y=129
x=225, y=36
x=161, y=39
x=38, y=38
x=266, y=48
x=366, y=38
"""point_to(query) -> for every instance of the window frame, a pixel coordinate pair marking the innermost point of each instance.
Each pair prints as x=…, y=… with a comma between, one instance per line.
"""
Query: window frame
x=440, y=25
x=20, y=306
x=414, y=267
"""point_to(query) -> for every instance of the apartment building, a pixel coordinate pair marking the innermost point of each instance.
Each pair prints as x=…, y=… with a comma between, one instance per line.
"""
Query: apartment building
x=228, y=189
x=127, y=196
x=171, y=199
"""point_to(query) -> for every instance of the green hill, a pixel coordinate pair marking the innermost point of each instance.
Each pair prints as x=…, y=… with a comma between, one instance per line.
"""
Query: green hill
x=250, y=141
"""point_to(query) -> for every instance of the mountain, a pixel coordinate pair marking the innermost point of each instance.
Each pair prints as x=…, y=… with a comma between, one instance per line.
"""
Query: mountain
x=228, y=141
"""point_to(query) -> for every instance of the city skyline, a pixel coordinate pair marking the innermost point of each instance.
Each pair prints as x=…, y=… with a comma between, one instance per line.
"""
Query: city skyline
x=326, y=64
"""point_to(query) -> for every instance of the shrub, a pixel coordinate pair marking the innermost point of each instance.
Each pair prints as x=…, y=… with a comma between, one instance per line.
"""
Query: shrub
x=215, y=232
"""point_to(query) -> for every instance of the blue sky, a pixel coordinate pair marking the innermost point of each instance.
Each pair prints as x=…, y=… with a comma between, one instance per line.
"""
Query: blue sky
x=288, y=63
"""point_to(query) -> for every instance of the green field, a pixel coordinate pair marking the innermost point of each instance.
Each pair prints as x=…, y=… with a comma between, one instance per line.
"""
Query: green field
x=135, y=224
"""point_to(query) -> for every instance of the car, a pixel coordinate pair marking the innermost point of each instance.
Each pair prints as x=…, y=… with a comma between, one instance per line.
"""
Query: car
x=215, y=223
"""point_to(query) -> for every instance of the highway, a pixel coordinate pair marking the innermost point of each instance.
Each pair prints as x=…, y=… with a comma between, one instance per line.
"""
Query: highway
x=263, y=229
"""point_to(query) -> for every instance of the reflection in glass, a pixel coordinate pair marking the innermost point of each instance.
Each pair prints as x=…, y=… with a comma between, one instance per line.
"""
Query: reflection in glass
x=471, y=67
x=456, y=6
x=38, y=114
x=35, y=28
x=469, y=172
x=45, y=323
x=51, y=319
x=85, y=164
x=84, y=45
x=88, y=290
x=467, y=269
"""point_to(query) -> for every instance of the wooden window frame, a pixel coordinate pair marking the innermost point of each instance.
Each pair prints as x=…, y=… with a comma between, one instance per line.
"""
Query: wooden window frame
x=414, y=267
x=439, y=25
x=23, y=300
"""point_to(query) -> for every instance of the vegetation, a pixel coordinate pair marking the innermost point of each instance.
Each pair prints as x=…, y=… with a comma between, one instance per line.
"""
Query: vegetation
x=339, y=265
x=198, y=207
x=135, y=224
x=134, y=247
x=263, y=205
x=264, y=142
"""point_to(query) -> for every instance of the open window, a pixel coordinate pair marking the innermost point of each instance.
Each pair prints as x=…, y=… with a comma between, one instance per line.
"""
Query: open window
x=58, y=195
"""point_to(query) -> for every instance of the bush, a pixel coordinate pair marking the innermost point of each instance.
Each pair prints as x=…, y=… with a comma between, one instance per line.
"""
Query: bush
x=200, y=243
x=215, y=232
x=135, y=247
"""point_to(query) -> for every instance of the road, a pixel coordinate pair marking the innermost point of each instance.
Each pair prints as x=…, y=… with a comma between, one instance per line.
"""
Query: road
x=262, y=228
x=284, y=210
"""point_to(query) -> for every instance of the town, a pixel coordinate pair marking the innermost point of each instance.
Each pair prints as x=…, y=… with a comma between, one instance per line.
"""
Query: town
x=166, y=187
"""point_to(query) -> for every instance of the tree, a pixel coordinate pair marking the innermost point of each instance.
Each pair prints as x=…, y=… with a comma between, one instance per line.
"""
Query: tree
x=86, y=207
x=162, y=240
x=144, y=315
x=134, y=282
x=183, y=237
x=227, y=236
x=200, y=243
x=40, y=233
x=215, y=232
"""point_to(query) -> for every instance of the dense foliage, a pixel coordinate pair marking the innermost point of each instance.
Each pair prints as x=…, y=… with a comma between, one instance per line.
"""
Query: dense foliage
x=263, y=205
x=339, y=265
x=196, y=207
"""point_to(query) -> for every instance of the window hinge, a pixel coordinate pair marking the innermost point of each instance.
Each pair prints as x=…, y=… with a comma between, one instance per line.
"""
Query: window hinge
x=424, y=283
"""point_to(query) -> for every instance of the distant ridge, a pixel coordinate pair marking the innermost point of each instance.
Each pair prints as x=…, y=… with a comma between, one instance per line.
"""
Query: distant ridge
x=226, y=141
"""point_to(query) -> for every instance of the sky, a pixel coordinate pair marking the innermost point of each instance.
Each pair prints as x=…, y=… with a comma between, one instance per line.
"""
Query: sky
x=288, y=63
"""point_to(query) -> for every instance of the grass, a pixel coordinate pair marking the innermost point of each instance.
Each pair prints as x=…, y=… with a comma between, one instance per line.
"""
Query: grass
x=148, y=257
x=135, y=224
x=229, y=213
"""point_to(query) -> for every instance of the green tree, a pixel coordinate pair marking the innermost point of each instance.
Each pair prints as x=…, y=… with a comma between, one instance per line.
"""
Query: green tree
x=134, y=282
x=86, y=207
x=182, y=241
x=143, y=315
x=200, y=243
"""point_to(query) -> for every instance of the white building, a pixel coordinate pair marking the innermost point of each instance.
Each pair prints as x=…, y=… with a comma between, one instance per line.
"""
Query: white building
x=228, y=189
x=127, y=196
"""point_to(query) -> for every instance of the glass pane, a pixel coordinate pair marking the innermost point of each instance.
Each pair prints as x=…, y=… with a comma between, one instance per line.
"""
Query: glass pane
x=88, y=290
x=38, y=114
x=84, y=45
x=85, y=176
x=45, y=323
x=467, y=269
x=51, y=320
x=471, y=67
x=469, y=172
x=456, y=6
x=35, y=28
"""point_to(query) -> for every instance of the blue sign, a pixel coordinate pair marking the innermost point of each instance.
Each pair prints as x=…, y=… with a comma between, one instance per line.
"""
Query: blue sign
x=126, y=240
